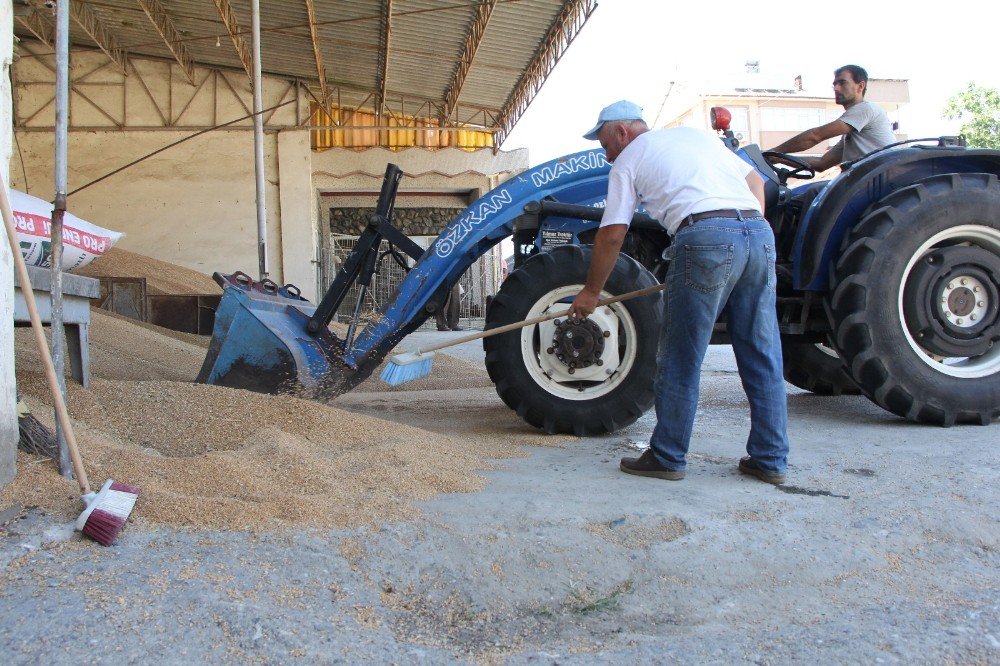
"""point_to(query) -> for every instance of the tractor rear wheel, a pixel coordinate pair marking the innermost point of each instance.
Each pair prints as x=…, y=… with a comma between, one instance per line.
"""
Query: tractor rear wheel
x=916, y=302
x=817, y=368
x=584, y=378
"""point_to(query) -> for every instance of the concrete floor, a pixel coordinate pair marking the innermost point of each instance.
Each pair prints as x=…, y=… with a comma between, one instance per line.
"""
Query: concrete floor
x=884, y=547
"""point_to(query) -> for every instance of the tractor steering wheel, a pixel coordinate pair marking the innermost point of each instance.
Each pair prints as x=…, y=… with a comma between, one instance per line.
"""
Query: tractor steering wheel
x=802, y=170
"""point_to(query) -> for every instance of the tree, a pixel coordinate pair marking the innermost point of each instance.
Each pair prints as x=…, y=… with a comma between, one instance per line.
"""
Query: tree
x=978, y=107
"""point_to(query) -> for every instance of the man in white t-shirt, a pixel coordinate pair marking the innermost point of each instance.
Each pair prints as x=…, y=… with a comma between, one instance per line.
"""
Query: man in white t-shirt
x=721, y=260
x=864, y=126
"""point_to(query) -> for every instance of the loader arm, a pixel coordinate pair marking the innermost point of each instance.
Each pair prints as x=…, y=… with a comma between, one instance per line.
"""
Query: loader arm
x=580, y=179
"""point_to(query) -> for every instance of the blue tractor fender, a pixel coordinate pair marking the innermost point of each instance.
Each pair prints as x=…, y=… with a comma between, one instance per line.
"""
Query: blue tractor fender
x=581, y=179
x=845, y=200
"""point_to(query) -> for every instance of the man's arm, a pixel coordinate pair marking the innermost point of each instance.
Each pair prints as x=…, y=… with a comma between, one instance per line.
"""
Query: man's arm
x=756, y=184
x=830, y=158
x=813, y=136
x=607, y=245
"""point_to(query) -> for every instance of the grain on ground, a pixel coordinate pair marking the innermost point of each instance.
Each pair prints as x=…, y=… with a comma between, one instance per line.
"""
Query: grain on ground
x=221, y=458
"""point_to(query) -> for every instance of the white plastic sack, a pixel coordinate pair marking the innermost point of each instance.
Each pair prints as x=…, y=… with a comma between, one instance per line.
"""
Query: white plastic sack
x=82, y=241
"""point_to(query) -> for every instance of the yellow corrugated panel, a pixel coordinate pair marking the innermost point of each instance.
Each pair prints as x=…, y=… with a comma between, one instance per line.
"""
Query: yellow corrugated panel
x=413, y=132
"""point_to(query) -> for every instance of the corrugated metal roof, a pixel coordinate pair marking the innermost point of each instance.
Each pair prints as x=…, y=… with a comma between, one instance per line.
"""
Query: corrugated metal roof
x=426, y=40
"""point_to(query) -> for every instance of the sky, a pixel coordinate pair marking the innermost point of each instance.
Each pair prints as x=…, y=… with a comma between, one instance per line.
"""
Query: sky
x=634, y=49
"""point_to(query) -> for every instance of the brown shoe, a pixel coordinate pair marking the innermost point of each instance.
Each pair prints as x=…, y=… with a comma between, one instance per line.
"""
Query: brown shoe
x=749, y=466
x=648, y=465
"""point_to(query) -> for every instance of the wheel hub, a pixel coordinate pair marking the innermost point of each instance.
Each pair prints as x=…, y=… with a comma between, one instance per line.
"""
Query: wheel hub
x=578, y=344
x=951, y=301
x=962, y=303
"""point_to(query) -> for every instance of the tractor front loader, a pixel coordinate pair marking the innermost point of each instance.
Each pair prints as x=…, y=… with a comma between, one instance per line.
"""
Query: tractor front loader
x=268, y=339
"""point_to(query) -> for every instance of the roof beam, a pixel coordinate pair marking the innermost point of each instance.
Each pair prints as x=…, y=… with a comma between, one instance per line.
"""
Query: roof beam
x=320, y=71
x=97, y=31
x=232, y=24
x=472, y=41
x=161, y=21
x=383, y=57
x=561, y=33
x=38, y=25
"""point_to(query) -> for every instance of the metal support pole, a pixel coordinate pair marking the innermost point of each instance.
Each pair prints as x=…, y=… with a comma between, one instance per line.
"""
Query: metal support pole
x=59, y=207
x=258, y=141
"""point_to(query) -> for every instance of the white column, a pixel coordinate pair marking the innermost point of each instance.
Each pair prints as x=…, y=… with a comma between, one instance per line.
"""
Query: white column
x=297, y=202
x=8, y=414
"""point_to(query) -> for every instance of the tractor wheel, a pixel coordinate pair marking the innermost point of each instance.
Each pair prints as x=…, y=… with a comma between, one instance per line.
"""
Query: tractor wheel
x=916, y=302
x=584, y=378
x=817, y=368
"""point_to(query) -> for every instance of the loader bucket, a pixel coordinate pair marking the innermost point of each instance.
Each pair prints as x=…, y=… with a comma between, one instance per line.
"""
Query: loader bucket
x=260, y=343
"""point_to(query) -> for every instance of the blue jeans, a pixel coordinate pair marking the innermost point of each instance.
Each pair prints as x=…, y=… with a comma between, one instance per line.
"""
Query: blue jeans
x=721, y=265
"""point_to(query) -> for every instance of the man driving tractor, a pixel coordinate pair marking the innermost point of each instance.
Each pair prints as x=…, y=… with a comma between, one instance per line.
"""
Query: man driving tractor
x=864, y=126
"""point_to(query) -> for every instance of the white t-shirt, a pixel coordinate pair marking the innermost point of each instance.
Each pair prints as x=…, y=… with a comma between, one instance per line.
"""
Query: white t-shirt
x=674, y=173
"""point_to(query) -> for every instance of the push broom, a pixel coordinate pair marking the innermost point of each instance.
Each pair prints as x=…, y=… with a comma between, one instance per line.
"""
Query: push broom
x=108, y=509
x=416, y=364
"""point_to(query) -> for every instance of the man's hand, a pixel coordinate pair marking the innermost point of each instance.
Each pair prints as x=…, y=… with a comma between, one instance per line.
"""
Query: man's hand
x=607, y=243
x=583, y=305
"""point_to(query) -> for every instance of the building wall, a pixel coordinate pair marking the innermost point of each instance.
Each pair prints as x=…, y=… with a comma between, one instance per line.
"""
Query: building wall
x=8, y=414
x=755, y=120
x=195, y=203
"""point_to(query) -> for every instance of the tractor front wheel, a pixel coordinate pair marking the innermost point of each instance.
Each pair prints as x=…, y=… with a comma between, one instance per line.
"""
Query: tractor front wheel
x=916, y=302
x=584, y=378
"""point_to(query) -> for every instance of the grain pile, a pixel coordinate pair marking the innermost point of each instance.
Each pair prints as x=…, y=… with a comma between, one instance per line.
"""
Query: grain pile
x=161, y=277
x=124, y=349
x=213, y=457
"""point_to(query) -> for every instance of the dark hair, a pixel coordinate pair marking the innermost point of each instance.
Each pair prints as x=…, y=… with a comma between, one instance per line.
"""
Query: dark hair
x=857, y=73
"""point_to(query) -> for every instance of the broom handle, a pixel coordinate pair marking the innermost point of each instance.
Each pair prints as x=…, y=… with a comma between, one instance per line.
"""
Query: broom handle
x=538, y=320
x=36, y=324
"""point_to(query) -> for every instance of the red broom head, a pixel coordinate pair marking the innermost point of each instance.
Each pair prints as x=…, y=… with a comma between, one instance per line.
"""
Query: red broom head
x=123, y=488
x=106, y=512
x=103, y=527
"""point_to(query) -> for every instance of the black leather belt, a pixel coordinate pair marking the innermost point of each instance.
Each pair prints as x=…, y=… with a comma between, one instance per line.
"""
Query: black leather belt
x=730, y=213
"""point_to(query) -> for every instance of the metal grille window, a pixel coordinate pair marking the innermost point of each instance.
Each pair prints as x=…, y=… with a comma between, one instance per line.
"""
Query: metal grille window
x=480, y=281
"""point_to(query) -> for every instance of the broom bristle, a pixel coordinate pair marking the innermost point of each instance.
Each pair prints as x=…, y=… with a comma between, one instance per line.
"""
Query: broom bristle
x=103, y=527
x=35, y=438
x=396, y=373
x=123, y=488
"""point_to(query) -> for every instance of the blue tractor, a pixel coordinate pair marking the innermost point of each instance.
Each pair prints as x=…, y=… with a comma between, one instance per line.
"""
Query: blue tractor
x=888, y=284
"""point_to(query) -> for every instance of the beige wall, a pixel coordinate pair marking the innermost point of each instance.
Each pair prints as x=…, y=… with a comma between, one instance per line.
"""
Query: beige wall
x=194, y=204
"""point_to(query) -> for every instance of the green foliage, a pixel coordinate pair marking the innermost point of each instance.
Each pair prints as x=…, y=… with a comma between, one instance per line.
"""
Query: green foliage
x=978, y=107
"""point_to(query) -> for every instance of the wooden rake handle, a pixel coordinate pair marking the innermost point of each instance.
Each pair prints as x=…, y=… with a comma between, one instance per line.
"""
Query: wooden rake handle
x=43, y=347
x=538, y=320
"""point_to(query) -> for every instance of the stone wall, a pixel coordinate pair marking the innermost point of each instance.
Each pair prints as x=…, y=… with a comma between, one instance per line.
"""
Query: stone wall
x=412, y=221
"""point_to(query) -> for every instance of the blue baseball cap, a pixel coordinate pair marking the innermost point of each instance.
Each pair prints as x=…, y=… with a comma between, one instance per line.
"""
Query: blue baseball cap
x=620, y=110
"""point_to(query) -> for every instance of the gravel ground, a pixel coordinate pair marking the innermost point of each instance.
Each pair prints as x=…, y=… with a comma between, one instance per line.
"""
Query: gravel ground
x=884, y=547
